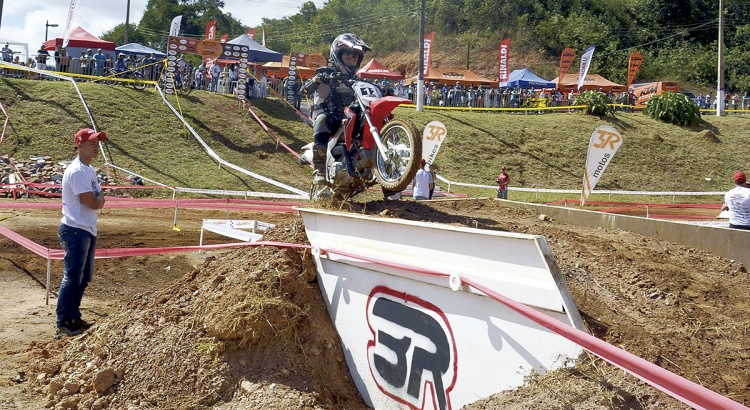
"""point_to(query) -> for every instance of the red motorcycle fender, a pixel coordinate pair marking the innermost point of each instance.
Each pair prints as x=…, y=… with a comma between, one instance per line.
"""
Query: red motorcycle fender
x=352, y=116
x=379, y=110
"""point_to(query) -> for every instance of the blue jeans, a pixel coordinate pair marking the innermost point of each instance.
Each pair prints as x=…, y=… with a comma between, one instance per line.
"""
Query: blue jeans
x=79, y=246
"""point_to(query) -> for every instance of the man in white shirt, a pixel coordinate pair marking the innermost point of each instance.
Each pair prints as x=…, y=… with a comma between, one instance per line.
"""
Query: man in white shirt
x=81, y=198
x=737, y=201
x=423, y=182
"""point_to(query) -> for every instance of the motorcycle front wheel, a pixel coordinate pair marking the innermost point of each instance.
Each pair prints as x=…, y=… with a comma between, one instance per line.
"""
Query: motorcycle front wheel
x=138, y=83
x=403, y=150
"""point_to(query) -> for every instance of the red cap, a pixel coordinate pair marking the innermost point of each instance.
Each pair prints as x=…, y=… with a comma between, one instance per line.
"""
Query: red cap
x=422, y=162
x=87, y=134
x=739, y=177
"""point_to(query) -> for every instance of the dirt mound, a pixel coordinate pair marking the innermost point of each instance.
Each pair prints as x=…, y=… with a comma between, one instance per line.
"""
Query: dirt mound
x=249, y=327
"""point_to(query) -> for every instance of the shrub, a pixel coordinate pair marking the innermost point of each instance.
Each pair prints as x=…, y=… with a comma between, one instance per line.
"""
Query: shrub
x=673, y=108
x=596, y=103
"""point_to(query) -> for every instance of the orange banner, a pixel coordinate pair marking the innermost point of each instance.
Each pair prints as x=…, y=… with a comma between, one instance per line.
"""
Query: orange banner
x=251, y=32
x=502, y=60
x=566, y=60
x=429, y=39
x=636, y=59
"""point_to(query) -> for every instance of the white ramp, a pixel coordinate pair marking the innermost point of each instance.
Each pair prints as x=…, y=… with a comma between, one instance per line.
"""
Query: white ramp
x=233, y=228
x=411, y=341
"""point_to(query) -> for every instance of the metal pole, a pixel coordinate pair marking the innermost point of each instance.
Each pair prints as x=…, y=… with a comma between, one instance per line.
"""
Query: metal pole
x=46, y=30
x=720, y=85
x=127, y=23
x=49, y=272
x=420, y=78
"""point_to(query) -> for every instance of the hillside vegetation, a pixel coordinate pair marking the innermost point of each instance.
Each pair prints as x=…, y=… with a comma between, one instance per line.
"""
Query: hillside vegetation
x=540, y=151
x=678, y=38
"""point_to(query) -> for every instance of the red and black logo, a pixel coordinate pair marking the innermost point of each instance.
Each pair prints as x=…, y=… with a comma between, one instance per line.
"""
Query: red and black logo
x=412, y=347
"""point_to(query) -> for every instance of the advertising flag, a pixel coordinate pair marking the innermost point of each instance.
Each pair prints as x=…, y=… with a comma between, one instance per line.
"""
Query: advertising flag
x=432, y=137
x=502, y=60
x=224, y=38
x=429, y=39
x=174, y=29
x=211, y=30
x=252, y=32
x=585, y=63
x=263, y=42
x=71, y=13
x=566, y=60
x=602, y=147
x=636, y=59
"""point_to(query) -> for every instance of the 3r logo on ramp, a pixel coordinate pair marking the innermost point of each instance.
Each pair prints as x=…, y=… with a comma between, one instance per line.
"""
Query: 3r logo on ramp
x=412, y=347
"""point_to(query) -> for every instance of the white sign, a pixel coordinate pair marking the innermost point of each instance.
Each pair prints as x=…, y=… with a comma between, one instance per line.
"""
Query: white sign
x=602, y=147
x=432, y=137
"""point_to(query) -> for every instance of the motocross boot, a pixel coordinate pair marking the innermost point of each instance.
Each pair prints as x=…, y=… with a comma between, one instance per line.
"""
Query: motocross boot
x=319, y=164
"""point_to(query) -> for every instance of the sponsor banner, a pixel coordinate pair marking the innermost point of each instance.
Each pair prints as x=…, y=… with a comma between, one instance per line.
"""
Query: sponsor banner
x=429, y=39
x=585, y=64
x=263, y=42
x=432, y=137
x=211, y=30
x=71, y=13
x=224, y=38
x=566, y=61
x=293, y=79
x=636, y=59
x=315, y=61
x=605, y=140
x=502, y=60
x=252, y=32
x=174, y=29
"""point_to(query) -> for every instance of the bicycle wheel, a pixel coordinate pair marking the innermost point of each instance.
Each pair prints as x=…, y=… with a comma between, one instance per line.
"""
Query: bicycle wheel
x=138, y=82
x=185, y=87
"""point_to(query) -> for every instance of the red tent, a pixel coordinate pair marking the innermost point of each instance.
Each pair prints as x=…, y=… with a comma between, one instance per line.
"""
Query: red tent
x=376, y=71
x=80, y=38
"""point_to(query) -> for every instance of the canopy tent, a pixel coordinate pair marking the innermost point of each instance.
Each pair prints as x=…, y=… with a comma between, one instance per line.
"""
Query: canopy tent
x=280, y=69
x=257, y=51
x=524, y=78
x=376, y=71
x=452, y=76
x=592, y=82
x=139, y=50
x=80, y=39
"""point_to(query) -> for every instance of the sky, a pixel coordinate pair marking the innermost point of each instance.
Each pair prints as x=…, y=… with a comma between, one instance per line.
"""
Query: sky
x=24, y=21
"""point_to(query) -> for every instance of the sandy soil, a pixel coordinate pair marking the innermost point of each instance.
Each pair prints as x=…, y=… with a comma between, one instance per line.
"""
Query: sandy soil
x=247, y=328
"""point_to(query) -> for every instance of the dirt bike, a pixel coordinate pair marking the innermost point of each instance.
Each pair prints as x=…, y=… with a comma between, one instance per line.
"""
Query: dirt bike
x=369, y=147
x=136, y=76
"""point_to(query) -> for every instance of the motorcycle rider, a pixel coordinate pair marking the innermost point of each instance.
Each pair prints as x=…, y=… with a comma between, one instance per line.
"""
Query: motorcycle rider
x=332, y=95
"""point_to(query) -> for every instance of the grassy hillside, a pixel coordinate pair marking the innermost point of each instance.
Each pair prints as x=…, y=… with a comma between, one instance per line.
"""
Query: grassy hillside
x=541, y=151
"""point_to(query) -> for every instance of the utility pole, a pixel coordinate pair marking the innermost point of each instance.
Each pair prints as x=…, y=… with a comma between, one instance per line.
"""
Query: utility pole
x=420, y=77
x=720, y=85
x=1, y=12
x=127, y=23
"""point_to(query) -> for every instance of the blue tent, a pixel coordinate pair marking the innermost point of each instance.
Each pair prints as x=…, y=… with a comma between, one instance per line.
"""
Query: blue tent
x=524, y=78
x=257, y=51
x=139, y=49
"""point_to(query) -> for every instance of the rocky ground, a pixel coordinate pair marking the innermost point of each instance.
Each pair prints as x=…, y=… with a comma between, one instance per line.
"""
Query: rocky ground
x=247, y=328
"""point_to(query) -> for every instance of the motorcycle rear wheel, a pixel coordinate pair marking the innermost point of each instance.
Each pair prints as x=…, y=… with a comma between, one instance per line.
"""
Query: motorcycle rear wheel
x=403, y=146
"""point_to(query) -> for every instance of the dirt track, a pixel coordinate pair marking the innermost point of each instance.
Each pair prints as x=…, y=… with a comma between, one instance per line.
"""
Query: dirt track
x=681, y=308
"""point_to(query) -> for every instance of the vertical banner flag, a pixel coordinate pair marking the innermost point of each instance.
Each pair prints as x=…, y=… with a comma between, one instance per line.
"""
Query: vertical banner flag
x=263, y=42
x=211, y=30
x=291, y=90
x=71, y=13
x=566, y=60
x=429, y=38
x=224, y=38
x=636, y=59
x=251, y=33
x=502, y=60
x=602, y=147
x=585, y=63
x=174, y=29
x=432, y=137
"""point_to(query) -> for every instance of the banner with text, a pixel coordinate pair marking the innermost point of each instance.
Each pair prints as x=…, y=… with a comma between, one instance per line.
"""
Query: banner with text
x=636, y=59
x=502, y=60
x=211, y=30
x=71, y=13
x=429, y=39
x=602, y=147
x=174, y=29
x=585, y=63
x=566, y=61
x=251, y=33
x=432, y=137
